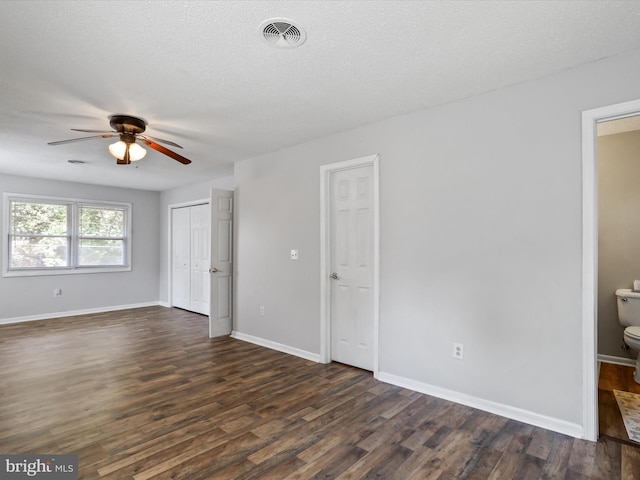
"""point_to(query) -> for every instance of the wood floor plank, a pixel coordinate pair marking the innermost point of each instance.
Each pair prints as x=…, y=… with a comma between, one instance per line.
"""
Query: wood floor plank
x=507, y=466
x=149, y=463
x=363, y=466
x=485, y=465
x=389, y=464
x=608, y=460
x=558, y=460
x=610, y=418
x=144, y=394
x=530, y=468
x=330, y=465
x=275, y=469
x=630, y=463
x=541, y=444
x=582, y=457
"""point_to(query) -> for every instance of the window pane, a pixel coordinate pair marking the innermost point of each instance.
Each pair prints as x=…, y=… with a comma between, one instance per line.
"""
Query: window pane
x=101, y=252
x=38, y=218
x=39, y=252
x=101, y=222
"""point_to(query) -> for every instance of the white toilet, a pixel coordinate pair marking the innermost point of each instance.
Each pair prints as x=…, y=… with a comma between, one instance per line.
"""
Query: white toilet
x=629, y=317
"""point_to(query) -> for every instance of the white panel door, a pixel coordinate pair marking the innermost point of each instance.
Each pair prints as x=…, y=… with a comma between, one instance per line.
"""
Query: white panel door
x=220, y=316
x=352, y=267
x=200, y=251
x=180, y=258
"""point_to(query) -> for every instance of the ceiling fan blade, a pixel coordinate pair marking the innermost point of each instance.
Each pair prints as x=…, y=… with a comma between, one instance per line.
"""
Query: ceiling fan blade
x=71, y=140
x=156, y=139
x=92, y=131
x=165, y=150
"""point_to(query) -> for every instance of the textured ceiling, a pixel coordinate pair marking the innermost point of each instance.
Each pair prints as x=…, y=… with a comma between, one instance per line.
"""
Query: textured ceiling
x=202, y=76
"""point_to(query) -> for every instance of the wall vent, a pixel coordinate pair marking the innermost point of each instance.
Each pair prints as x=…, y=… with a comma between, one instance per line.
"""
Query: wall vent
x=282, y=33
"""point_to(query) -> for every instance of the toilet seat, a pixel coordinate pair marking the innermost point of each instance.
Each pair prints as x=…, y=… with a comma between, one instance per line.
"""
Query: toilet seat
x=632, y=332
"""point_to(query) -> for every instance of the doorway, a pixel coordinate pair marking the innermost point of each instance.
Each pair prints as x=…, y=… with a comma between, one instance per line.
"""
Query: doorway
x=213, y=244
x=350, y=263
x=618, y=171
x=590, y=256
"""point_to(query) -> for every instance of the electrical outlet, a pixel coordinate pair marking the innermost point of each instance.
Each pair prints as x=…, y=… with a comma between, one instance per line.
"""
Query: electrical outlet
x=458, y=351
x=262, y=310
x=57, y=292
x=294, y=254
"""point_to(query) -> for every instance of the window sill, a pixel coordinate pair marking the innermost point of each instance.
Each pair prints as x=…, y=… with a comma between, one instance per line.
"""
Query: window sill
x=64, y=271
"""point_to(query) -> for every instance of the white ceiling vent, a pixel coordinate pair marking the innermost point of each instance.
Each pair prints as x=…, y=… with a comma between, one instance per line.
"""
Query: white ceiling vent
x=282, y=33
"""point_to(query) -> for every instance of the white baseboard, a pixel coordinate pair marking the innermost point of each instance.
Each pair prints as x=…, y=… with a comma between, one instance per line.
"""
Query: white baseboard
x=616, y=360
x=525, y=416
x=73, y=313
x=314, y=357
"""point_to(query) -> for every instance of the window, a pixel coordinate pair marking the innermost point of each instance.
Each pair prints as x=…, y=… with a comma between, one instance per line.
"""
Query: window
x=101, y=235
x=55, y=235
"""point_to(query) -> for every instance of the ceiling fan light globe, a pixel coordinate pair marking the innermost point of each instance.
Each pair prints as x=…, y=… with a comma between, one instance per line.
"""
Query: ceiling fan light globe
x=118, y=149
x=136, y=152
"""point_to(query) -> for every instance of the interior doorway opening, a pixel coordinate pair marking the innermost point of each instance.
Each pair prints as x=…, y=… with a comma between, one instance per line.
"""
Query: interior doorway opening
x=590, y=120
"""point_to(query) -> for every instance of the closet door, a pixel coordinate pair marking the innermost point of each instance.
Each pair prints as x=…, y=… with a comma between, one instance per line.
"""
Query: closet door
x=181, y=258
x=200, y=251
x=191, y=249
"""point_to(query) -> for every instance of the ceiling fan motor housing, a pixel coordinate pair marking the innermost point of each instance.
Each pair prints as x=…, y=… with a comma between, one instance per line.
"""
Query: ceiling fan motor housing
x=127, y=124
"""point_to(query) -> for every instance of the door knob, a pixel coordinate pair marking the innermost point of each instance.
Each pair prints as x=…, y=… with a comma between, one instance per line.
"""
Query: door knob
x=335, y=276
x=213, y=270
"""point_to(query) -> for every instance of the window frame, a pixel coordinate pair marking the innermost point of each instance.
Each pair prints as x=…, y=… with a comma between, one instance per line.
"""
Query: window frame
x=73, y=236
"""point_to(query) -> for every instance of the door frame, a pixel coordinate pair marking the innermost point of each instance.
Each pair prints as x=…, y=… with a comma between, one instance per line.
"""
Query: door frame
x=170, y=208
x=590, y=257
x=325, y=223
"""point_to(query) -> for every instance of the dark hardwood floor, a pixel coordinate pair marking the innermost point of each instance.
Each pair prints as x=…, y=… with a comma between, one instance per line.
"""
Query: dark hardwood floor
x=144, y=394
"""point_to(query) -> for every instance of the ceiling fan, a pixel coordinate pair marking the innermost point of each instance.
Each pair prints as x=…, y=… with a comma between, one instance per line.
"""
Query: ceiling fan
x=130, y=130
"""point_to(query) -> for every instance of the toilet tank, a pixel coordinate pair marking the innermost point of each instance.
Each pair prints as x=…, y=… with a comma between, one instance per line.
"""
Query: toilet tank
x=628, y=307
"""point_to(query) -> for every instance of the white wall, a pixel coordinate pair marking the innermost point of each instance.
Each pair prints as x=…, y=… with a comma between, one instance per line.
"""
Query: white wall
x=176, y=196
x=32, y=297
x=481, y=239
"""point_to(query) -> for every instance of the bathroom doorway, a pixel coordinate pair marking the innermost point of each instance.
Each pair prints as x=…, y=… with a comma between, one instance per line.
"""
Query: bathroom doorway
x=618, y=172
x=613, y=120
